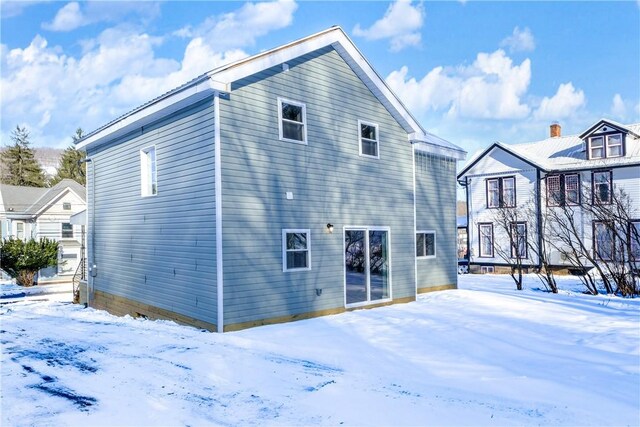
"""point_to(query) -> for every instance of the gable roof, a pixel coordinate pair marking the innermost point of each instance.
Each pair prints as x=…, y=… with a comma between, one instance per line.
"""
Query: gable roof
x=220, y=79
x=566, y=152
x=29, y=201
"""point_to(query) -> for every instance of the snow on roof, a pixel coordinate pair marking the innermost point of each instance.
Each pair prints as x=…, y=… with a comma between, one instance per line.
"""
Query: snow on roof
x=568, y=152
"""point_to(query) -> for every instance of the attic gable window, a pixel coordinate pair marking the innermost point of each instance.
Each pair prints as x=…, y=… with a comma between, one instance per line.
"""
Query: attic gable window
x=292, y=121
x=605, y=146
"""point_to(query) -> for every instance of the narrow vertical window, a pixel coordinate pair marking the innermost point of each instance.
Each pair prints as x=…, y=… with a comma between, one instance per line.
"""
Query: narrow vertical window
x=426, y=244
x=486, y=240
x=368, y=139
x=518, y=240
x=20, y=230
x=148, y=172
x=292, y=118
x=493, y=193
x=602, y=187
x=295, y=250
x=554, y=192
x=508, y=192
x=603, y=241
x=572, y=189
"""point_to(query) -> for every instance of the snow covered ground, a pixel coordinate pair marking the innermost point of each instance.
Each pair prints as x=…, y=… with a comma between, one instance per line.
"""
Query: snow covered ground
x=485, y=354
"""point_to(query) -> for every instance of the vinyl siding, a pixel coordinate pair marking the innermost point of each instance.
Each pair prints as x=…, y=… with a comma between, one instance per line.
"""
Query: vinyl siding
x=436, y=211
x=330, y=183
x=158, y=250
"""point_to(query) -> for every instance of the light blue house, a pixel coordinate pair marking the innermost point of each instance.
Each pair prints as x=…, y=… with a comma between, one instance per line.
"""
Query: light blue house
x=287, y=185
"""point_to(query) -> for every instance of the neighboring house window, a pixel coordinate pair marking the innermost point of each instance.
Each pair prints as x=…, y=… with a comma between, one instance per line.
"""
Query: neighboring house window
x=486, y=240
x=518, y=240
x=606, y=146
x=67, y=230
x=292, y=118
x=602, y=187
x=501, y=192
x=148, y=172
x=20, y=230
x=426, y=244
x=634, y=240
x=563, y=189
x=603, y=240
x=295, y=250
x=368, y=139
x=66, y=206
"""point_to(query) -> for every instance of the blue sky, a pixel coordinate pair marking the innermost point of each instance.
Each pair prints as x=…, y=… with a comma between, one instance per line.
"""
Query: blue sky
x=471, y=72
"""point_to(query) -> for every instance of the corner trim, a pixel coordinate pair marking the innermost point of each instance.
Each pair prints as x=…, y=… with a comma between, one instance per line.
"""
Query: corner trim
x=218, y=197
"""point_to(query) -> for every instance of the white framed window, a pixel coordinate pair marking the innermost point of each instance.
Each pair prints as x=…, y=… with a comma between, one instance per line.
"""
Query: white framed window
x=597, y=147
x=614, y=145
x=296, y=249
x=426, y=244
x=67, y=230
x=501, y=192
x=292, y=121
x=148, y=172
x=368, y=135
x=20, y=230
x=486, y=240
x=486, y=269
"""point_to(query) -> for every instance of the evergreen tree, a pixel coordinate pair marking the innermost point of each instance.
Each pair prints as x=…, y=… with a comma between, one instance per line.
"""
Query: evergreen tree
x=69, y=163
x=19, y=165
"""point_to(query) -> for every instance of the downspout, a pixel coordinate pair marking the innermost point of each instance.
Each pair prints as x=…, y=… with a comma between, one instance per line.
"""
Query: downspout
x=218, y=198
x=467, y=181
x=539, y=217
x=92, y=268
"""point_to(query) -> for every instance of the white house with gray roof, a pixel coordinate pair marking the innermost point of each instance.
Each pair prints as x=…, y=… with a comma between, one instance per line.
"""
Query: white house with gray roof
x=30, y=212
x=286, y=185
x=546, y=174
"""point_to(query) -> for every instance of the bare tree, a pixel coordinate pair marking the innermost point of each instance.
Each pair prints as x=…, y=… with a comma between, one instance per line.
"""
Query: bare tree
x=511, y=224
x=540, y=247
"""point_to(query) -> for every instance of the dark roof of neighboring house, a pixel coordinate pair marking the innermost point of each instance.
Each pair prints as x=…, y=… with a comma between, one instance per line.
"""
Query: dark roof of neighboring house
x=29, y=200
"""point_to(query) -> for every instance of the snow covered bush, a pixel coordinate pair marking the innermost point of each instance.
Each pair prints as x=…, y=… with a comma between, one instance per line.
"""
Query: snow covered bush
x=23, y=259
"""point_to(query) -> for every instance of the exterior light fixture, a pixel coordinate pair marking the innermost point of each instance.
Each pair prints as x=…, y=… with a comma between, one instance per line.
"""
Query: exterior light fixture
x=330, y=227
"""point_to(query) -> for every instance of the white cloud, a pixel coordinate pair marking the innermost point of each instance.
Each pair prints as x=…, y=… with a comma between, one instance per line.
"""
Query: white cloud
x=618, y=108
x=75, y=15
x=52, y=93
x=490, y=88
x=400, y=24
x=242, y=27
x=519, y=41
x=565, y=103
x=68, y=18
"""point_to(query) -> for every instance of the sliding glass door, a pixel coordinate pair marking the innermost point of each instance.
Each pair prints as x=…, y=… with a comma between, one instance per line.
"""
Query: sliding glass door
x=366, y=255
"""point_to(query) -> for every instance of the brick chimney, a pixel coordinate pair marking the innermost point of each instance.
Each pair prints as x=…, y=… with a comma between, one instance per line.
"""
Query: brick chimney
x=555, y=130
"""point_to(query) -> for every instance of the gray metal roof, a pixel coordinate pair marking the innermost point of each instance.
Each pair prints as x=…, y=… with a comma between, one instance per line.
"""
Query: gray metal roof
x=19, y=200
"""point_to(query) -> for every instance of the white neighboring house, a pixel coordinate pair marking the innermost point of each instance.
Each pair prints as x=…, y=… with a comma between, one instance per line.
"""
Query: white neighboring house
x=28, y=212
x=544, y=175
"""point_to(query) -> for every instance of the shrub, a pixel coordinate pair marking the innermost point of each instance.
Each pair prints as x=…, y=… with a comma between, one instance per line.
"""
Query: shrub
x=21, y=260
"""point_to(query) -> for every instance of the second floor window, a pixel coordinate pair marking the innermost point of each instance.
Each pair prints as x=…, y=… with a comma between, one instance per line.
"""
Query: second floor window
x=563, y=189
x=67, y=230
x=148, y=172
x=292, y=121
x=501, y=192
x=602, y=187
x=368, y=139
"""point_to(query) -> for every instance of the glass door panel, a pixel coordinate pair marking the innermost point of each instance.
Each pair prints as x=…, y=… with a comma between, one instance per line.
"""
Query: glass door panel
x=355, y=266
x=378, y=265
